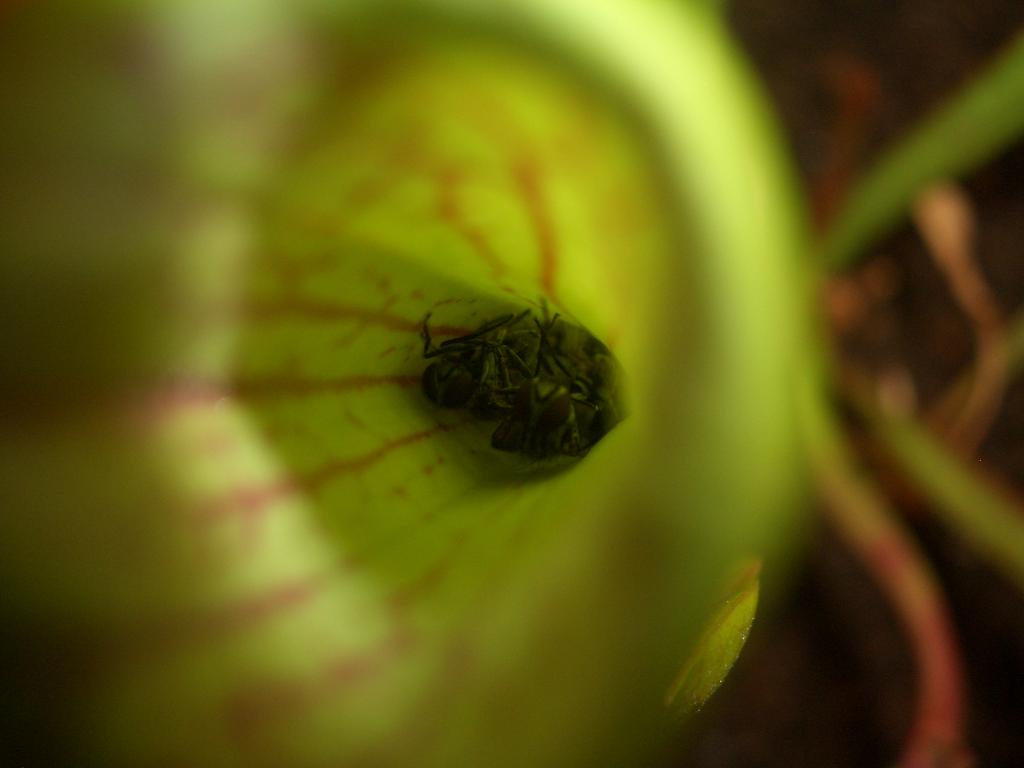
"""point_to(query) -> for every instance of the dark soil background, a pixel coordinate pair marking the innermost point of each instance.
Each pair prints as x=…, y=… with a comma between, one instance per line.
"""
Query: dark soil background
x=826, y=679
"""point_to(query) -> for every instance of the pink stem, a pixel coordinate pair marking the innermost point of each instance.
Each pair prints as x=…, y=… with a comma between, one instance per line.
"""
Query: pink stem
x=936, y=736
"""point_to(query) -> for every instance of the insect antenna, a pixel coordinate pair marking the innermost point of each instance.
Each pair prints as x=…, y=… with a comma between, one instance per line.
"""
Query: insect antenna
x=519, y=362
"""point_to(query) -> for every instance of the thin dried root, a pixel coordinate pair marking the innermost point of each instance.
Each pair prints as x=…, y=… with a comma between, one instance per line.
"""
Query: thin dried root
x=945, y=220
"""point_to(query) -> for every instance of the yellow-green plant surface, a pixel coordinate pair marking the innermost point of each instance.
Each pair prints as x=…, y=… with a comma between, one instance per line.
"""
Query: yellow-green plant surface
x=226, y=490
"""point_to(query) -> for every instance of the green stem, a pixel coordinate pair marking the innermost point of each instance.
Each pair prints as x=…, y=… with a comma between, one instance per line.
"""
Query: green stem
x=986, y=515
x=970, y=129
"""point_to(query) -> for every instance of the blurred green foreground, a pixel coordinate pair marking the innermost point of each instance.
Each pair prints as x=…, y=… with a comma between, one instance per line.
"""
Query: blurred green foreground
x=235, y=532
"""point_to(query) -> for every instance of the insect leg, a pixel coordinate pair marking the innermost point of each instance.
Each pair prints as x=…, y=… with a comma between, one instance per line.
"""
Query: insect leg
x=425, y=333
x=572, y=446
x=541, y=345
x=448, y=349
x=482, y=330
x=519, y=362
x=565, y=370
x=486, y=373
x=499, y=352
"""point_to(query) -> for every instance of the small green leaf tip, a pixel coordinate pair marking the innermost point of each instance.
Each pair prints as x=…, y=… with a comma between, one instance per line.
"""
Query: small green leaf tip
x=719, y=645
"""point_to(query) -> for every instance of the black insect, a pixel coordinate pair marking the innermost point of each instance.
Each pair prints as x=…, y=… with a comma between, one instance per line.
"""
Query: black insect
x=572, y=400
x=548, y=419
x=480, y=369
x=552, y=386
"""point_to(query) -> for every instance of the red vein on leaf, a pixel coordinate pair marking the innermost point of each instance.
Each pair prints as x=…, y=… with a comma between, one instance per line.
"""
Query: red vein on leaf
x=322, y=311
x=291, y=273
x=428, y=579
x=259, y=706
x=341, y=467
x=163, y=399
x=397, y=163
x=172, y=397
x=354, y=420
x=253, y=708
x=450, y=211
x=527, y=176
x=287, y=386
x=253, y=500
x=177, y=633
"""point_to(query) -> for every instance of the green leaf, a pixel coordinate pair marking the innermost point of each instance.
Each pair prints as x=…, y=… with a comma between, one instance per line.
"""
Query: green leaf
x=985, y=514
x=272, y=548
x=719, y=646
x=977, y=123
